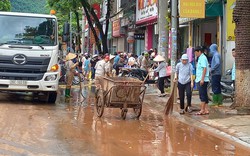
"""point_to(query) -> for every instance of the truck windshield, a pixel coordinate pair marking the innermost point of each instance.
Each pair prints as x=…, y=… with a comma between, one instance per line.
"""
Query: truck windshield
x=22, y=30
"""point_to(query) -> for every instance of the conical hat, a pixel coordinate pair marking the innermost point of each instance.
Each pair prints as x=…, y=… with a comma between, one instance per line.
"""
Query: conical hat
x=159, y=58
x=70, y=56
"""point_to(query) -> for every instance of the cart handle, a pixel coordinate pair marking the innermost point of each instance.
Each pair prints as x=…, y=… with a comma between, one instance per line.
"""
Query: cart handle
x=148, y=74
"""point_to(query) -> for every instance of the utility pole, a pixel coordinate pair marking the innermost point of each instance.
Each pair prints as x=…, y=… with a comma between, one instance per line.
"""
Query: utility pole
x=83, y=31
x=70, y=30
x=163, y=28
x=174, y=28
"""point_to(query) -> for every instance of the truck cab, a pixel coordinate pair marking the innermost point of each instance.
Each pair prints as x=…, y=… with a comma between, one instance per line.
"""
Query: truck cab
x=29, y=53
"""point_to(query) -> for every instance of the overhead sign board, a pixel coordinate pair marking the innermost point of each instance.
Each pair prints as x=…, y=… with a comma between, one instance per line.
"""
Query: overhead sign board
x=146, y=11
x=192, y=8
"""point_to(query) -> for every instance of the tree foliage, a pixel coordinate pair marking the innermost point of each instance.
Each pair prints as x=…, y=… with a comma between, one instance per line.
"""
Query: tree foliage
x=5, y=5
x=64, y=7
x=29, y=6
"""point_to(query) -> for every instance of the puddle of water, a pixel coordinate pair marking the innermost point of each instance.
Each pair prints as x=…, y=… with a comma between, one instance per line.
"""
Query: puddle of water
x=151, y=135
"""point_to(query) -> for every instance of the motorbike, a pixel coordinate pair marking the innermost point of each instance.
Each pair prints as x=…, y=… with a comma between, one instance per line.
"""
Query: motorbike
x=142, y=75
x=227, y=88
x=76, y=80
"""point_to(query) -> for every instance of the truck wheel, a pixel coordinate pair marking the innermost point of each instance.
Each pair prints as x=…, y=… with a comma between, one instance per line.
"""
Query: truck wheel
x=52, y=97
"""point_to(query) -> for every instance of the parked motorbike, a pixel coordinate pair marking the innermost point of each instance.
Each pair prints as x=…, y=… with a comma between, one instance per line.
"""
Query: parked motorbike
x=227, y=88
x=76, y=80
x=142, y=75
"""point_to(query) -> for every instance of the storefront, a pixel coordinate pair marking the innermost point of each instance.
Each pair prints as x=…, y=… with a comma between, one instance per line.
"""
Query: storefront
x=146, y=19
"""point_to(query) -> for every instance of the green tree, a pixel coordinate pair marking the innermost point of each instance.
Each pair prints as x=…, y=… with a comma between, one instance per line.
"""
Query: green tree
x=63, y=9
x=241, y=16
x=65, y=6
x=5, y=5
x=30, y=6
x=89, y=12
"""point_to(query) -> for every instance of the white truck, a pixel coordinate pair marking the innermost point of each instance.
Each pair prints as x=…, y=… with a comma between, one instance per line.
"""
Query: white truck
x=29, y=53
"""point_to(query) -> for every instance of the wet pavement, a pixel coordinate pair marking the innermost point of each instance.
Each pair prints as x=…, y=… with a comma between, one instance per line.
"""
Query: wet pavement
x=32, y=127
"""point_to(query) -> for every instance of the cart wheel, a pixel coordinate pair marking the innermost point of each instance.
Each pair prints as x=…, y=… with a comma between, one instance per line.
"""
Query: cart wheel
x=124, y=113
x=99, y=103
x=138, y=112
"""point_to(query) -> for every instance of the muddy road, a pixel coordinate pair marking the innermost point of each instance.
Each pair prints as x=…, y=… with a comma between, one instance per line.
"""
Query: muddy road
x=32, y=127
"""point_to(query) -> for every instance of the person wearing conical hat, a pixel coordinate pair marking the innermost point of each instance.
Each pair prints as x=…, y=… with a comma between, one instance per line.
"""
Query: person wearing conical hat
x=162, y=70
x=71, y=64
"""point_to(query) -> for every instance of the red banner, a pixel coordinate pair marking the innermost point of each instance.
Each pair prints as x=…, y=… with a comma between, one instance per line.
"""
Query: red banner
x=97, y=10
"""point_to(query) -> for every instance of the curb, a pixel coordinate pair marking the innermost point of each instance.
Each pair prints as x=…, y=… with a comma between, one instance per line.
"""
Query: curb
x=212, y=130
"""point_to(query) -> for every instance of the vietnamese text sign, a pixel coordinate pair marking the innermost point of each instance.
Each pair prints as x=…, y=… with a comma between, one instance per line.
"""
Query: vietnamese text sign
x=146, y=10
x=230, y=24
x=192, y=8
x=116, y=28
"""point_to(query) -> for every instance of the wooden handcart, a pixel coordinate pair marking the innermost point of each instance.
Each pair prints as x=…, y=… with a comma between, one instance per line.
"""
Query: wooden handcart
x=120, y=92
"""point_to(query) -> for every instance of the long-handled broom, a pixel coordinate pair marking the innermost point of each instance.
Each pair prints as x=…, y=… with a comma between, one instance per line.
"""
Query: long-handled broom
x=170, y=103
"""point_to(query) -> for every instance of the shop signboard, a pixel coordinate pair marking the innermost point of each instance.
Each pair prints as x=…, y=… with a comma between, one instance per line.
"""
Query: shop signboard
x=139, y=36
x=230, y=23
x=92, y=37
x=146, y=11
x=117, y=29
x=192, y=9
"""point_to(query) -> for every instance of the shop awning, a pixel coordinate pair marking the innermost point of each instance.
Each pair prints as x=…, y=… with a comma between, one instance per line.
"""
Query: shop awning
x=214, y=9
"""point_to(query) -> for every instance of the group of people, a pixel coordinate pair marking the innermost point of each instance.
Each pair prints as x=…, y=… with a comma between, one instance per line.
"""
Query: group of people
x=183, y=76
x=110, y=65
x=148, y=61
x=96, y=65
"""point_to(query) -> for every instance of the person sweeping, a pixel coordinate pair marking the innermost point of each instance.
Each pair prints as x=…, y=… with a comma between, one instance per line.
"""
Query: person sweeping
x=71, y=64
x=183, y=75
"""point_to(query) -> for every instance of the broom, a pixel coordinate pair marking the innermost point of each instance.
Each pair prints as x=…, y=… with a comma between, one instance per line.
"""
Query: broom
x=170, y=103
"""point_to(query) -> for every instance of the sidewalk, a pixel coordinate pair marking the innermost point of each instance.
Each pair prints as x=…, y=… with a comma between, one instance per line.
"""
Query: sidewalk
x=222, y=121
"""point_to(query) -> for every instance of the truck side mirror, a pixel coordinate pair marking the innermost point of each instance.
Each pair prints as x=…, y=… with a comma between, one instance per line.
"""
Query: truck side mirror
x=66, y=28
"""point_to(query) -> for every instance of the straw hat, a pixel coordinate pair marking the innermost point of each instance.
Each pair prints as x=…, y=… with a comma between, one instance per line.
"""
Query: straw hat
x=70, y=56
x=159, y=58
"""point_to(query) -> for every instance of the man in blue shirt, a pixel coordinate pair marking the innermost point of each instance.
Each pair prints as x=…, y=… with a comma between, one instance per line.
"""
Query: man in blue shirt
x=216, y=75
x=202, y=79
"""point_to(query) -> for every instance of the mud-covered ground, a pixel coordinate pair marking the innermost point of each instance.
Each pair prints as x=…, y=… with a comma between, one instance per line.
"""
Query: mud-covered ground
x=29, y=126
